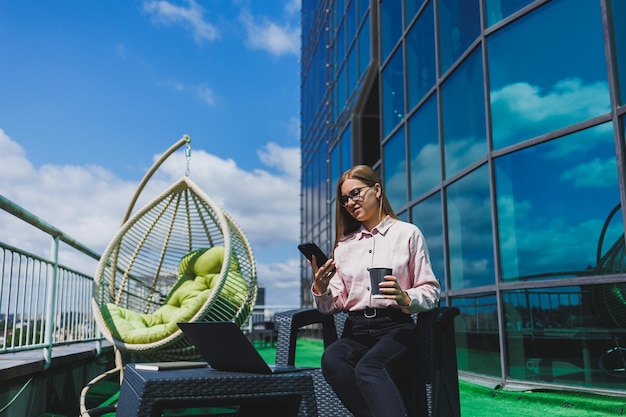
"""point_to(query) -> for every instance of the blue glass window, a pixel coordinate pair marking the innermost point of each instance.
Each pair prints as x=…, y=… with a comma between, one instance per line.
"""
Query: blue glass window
x=363, y=7
x=459, y=26
x=340, y=88
x=352, y=70
x=421, y=64
x=393, y=93
x=552, y=201
x=335, y=169
x=566, y=335
x=547, y=71
x=464, y=125
x=390, y=26
x=427, y=216
x=469, y=231
x=340, y=46
x=477, y=340
x=351, y=22
x=410, y=9
x=425, y=155
x=346, y=149
x=496, y=10
x=364, y=47
x=618, y=9
x=395, y=171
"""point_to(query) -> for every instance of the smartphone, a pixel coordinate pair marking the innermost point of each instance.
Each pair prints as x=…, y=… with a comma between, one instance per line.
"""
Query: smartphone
x=309, y=249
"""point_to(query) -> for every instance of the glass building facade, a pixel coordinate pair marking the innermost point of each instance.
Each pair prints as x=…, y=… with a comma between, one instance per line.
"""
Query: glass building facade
x=497, y=127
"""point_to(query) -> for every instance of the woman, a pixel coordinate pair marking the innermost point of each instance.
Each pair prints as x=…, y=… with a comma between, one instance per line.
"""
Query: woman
x=379, y=334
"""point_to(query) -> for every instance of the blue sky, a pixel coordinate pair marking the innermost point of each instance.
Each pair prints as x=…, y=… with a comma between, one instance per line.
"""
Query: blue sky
x=92, y=92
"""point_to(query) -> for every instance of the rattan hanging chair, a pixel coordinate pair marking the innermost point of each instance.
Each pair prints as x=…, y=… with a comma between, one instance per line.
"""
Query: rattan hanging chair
x=141, y=269
x=179, y=258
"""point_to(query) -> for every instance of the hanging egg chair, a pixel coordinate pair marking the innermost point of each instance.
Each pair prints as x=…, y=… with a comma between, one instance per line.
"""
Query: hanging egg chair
x=180, y=258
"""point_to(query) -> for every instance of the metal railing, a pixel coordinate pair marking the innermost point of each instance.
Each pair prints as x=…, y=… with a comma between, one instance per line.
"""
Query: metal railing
x=42, y=302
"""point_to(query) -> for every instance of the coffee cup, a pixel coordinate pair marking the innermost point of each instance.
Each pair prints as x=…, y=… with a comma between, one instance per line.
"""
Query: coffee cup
x=377, y=275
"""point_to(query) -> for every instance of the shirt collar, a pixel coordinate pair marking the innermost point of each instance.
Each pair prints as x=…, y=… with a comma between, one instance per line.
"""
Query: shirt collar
x=381, y=228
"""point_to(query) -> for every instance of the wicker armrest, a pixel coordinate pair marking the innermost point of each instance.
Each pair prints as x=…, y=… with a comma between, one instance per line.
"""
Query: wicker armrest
x=288, y=323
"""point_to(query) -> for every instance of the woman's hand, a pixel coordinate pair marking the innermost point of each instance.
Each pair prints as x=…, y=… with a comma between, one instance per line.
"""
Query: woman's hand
x=392, y=291
x=322, y=275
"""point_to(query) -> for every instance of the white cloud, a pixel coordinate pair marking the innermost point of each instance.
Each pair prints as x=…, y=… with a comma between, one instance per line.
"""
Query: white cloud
x=191, y=17
x=205, y=94
x=286, y=160
x=88, y=203
x=283, y=277
x=266, y=35
x=293, y=7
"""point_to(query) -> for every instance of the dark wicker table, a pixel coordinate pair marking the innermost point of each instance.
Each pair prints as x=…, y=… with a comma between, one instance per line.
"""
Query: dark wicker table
x=148, y=393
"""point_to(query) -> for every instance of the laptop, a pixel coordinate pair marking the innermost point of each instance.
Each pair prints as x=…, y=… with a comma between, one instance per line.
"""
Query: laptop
x=225, y=348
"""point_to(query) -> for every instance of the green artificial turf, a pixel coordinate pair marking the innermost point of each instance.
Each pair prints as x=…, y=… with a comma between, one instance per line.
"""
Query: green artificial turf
x=481, y=401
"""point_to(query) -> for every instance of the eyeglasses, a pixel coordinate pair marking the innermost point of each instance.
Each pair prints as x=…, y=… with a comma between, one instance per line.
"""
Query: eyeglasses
x=354, y=195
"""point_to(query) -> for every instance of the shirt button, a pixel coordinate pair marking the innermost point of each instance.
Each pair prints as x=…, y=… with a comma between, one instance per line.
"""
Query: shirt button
x=370, y=251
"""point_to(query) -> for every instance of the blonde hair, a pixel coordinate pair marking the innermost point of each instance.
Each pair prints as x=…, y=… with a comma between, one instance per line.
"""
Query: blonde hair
x=344, y=222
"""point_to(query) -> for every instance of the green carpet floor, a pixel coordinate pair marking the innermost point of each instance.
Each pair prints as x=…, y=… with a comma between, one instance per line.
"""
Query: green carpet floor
x=476, y=401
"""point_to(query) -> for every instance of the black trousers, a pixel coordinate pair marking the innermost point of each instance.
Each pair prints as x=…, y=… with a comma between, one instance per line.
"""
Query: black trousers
x=360, y=367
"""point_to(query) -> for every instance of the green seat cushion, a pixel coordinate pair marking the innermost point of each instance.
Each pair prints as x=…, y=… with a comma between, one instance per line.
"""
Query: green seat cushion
x=199, y=272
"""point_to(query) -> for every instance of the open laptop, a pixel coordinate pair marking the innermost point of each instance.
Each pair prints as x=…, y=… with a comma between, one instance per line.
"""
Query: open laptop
x=225, y=348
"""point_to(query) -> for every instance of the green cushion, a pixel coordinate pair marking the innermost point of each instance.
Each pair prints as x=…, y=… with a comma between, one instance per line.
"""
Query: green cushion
x=198, y=275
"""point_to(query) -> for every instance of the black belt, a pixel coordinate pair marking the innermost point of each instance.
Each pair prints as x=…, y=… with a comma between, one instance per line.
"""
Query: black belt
x=377, y=312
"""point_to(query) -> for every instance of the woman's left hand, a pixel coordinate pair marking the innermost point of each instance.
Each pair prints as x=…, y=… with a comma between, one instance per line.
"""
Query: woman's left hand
x=392, y=291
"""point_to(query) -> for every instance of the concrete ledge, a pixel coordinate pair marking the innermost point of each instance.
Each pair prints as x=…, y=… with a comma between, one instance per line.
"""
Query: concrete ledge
x=26, y=363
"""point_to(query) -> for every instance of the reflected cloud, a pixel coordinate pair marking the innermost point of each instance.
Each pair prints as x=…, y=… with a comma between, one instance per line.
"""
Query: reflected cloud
x=521, y=110
x=463, y=152
x=593, y=174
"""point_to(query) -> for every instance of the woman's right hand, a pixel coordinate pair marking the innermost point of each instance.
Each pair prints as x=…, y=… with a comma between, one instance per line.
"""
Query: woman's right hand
x=322, y=275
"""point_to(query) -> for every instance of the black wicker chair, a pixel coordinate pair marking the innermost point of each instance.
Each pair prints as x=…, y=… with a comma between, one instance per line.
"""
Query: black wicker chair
x=431, y=391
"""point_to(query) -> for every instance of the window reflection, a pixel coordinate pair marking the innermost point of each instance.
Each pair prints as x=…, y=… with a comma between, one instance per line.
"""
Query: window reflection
x=464, y=116
x=547, y=71
x=459, y=26
x=496, y=10
x=340, y=90
x=394, y=165
x=618, y=9
x=390, y=26
x=393, y=93
x=477, y=344
x=335, y=169
x=552, y=201
x=420, y=46
x=425, y=156
x=410, y=9
x=364, y=47
x=427, y=216
x=469, y=231
x=567, y=335
x=346, y=149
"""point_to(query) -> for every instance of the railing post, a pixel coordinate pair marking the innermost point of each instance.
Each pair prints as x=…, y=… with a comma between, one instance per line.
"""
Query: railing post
x=51, y=303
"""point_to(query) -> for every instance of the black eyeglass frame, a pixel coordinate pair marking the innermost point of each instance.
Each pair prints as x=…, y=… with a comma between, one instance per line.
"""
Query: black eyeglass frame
x=354, y=195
